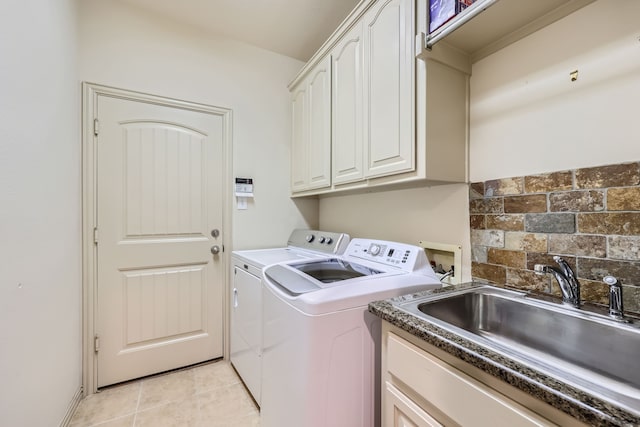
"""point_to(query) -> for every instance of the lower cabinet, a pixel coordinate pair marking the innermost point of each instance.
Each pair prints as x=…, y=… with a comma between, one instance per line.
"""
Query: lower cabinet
x=420, y=389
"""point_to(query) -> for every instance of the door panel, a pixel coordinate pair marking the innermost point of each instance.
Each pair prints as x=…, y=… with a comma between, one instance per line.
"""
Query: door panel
x=389, y=92
x=400, y=411
x=300, y=139
x=163, y=302
x=319, y=160
x=159, y=194
x=163, y=180
x=347, y=102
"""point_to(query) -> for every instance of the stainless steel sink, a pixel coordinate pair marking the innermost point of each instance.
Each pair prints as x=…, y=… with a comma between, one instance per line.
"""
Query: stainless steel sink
x=586, y=350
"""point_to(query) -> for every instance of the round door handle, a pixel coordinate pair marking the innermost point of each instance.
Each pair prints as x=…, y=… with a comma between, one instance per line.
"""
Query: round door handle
x=215, y=249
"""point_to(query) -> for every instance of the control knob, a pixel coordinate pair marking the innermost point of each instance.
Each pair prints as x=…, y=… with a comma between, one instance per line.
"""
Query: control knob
x=329, y=241
x=321, y=239
x=374, y=249
x=310, y=238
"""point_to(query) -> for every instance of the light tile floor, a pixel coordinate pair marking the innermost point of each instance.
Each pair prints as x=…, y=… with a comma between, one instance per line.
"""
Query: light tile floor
x=204, y=396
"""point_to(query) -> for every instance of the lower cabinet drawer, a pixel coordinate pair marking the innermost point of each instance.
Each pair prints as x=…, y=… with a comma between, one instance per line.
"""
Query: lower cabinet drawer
x=400, y=411
x=460, y=397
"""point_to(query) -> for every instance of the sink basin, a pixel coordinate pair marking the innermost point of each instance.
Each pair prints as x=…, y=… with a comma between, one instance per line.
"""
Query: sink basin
x=586, y=350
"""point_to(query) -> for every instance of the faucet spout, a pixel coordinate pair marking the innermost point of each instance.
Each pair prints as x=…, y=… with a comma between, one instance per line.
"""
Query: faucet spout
x=571, y=278
x=564, y=275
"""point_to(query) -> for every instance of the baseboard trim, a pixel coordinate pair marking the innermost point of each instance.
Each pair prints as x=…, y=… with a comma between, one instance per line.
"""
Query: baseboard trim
x=73, y=405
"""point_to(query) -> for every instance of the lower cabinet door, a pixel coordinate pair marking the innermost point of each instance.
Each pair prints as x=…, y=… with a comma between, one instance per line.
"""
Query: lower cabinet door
x=461, y=398
x=400, y=411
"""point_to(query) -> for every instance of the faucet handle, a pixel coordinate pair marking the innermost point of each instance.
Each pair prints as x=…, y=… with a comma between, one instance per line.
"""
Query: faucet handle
x=611, y=281
x=539, y=269
x=564, y=266
x=616, y=309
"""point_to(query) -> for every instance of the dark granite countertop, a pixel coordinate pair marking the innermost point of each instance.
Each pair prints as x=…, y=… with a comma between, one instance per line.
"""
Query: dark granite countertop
x=575, y=402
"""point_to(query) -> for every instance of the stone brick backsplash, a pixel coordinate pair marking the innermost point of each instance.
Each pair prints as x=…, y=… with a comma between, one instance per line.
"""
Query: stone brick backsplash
x=590, y=217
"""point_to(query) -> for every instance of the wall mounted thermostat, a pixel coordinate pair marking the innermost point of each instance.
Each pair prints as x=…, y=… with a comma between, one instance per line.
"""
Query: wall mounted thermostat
x=243, y=191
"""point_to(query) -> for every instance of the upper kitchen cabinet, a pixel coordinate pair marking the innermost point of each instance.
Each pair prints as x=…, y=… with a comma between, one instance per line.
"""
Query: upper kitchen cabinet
x=395, y=120
x=347, y=107
x=300, y=137
x=388, y=81
x=372, y=96
x=311, y=129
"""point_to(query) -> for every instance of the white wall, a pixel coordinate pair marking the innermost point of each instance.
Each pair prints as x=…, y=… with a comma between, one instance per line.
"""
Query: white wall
x=527, y=117
x=130, y=48
x=40, y=247
x=436, y=214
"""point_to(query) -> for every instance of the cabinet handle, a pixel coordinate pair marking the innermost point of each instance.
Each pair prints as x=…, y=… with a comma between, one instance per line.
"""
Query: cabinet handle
x=235, y=297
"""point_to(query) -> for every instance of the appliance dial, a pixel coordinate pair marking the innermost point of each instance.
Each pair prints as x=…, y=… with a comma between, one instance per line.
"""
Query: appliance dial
x=329, y=241
x=310, y=238
x=321, y=239
x=374, y=249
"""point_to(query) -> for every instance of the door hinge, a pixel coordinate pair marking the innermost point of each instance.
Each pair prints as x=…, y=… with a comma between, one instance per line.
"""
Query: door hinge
x=95, y=235
x=96, y=343
x=96, y=127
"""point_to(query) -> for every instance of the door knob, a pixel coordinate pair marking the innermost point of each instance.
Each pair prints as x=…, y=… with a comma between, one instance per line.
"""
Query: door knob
x=215, y=249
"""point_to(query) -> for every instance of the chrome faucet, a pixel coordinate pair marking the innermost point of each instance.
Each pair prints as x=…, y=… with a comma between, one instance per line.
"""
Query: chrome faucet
x=566, y=278
x=616, y=310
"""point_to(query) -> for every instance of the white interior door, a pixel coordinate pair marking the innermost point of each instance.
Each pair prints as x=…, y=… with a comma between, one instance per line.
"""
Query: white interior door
x=159, y=196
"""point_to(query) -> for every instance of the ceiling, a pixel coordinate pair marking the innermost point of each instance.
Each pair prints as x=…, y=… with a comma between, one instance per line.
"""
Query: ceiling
x=295, y=28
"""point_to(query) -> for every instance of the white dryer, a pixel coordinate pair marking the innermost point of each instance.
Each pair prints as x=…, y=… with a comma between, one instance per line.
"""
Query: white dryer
x=246, y=295
x=320, y=344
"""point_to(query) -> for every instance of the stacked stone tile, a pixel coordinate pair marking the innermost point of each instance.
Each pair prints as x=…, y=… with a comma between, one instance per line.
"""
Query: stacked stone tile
x=590, y=217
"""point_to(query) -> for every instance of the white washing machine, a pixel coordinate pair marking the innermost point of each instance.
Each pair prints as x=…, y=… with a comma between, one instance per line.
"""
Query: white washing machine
x=320, y=344
x=246, y=295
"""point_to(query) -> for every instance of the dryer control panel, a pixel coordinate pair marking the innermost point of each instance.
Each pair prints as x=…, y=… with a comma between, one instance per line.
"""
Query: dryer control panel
x=406, y=257
x=321, y=241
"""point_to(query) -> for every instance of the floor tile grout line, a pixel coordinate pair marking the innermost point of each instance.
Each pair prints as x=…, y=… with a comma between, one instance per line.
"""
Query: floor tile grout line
x=199, y=406
x=98, y=424
x=135, y=415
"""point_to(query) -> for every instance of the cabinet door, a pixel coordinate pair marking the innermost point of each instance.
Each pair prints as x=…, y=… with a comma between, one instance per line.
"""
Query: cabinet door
x=347, y=107
x=400, y=411
x=444, y=387
x=299, y=138
x=319, y=154
x=389, y=95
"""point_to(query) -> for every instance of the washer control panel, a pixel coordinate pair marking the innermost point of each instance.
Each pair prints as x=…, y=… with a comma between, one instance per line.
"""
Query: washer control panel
x=405, y=257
